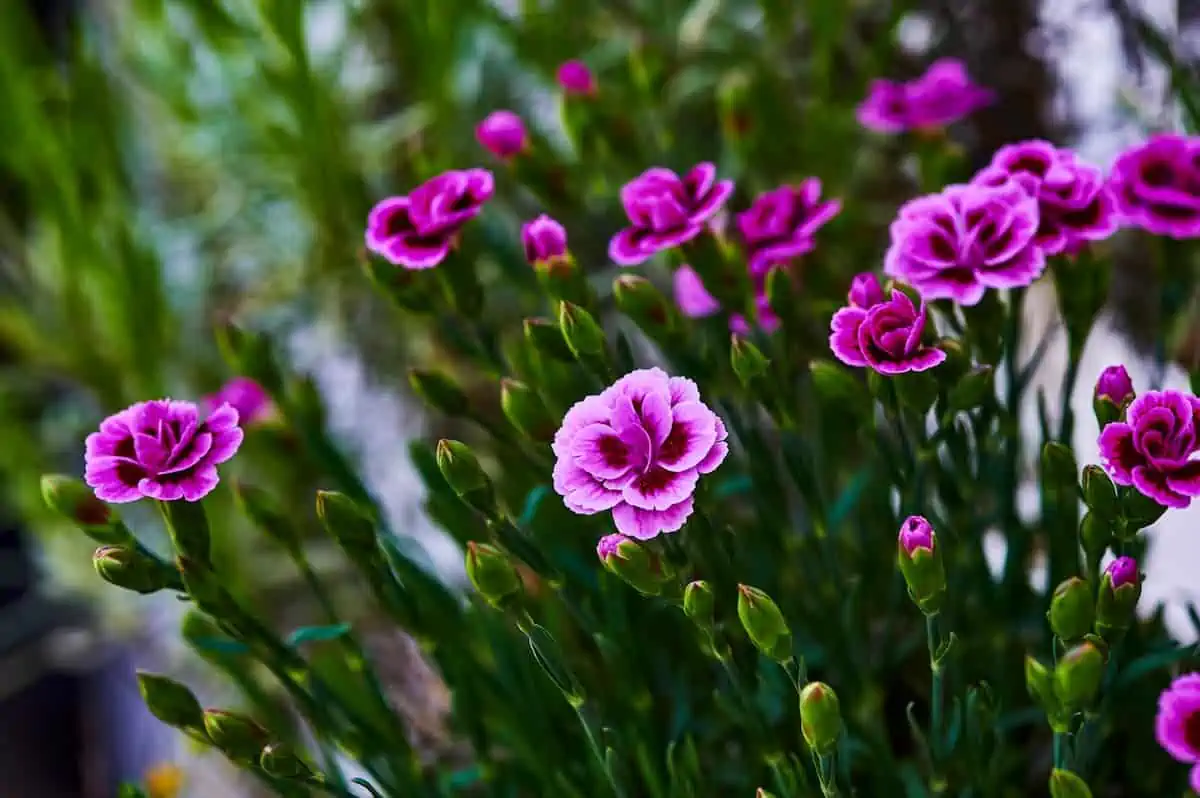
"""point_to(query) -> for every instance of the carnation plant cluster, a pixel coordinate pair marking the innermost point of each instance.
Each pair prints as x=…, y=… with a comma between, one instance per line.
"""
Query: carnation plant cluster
x=723, y=515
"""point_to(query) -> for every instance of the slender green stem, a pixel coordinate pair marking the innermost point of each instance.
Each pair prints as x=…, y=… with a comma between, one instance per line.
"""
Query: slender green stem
x=935, y=694
x=1058, y=748
x=827, y=774
x=586, y=721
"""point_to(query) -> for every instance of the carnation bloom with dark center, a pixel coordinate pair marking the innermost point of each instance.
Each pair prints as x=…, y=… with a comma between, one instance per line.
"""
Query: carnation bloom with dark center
x=965, y=240
x=419, y=230
x=666, y=210
x=1177, y=725
x=885, y=336
x=780, y=224
x=638, y=449
x=1157, y=185
x=944, y=94
x=1156, y=448
x=1075, y=204
x=160, y=449
x=245, y=396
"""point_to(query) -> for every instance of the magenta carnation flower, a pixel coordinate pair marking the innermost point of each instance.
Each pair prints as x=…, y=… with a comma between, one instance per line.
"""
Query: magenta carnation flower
x=865, y=291
x=543, y=239
x=1157, y=185
x=885, y=336
x=160, y=450
x=944, y=94
x=1075, y=205
x=957, y=244
x=638, y=449
x=1115, y=385
x=502, y=133
x=695, y=302
x=417, y=231
x=1155, y=448
x=1177, y=726
x=665, y=211
x=575, y=78
x=780, y=224
x=245, y=396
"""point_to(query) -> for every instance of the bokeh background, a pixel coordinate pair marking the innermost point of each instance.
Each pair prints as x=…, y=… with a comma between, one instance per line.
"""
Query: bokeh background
x=170, y=166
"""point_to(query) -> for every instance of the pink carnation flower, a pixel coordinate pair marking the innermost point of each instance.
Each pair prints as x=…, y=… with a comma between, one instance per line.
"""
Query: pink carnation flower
x=638, y=449
x=1156, y=448
x=245, y=396
x=1177, y=726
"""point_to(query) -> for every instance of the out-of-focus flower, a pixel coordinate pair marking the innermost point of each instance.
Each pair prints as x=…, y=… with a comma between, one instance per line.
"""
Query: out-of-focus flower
x=666, y=210
x=244, y=395
x=1115, y=385
x=162, y=450
x=886, y=336
x=696, y=302
x=965, y=240
x=944, y=94
x=575, y=78
x=502, y=133
x=638, y=449
x=1157, y=185
x=1177, y=726
x=865, y=291
x=544, y=239
x=1155, y=448
x=780, y=224
x=419, y=230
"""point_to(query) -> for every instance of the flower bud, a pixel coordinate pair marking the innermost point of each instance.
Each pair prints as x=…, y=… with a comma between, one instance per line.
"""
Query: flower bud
x=920, y=560
x=761, y=793
x=1096, y=534
x=492, y=574
x=546, y=338
x=749, y=363
x=1078, y=675
x=640, y=300
x=699, y=603
x=502, y=133
x=1071, y=609
x=1059, y=471
x=544, y=239
x=170, y=702
x=634, y=563
x=1065, y=784
x=525, y=410
x=820, y=717
x=764, y=623
x=1120, y=589
x=1039, y=681
x=1099, y=493
x=580, y=330
x=1113, y=393
x=127, y=567
x=346, y=523
x=439, y=391
x=239, y=737
x=466, y=476
x=576, y=79
x=281, y=761
x=265, y=515
x=75, y=501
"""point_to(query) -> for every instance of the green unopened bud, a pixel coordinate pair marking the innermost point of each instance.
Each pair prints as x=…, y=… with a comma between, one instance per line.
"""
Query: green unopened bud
x=764, y=623
x=1120, y=589
x=525, y=410
x=170, y=702
x=492, y=574
x=820, y=717
x=1065, y=784
x=1096, y=534
x=239, y=737
x=1059, y=471
x=917, y=390
x=1140, y=511
x=1071, y=609
x=75, y=501
x=640, y=300
x=347, y=523
x=634, y=563
x=749, y=363
x=205, y=588
x=127, y=567
x=546, y=339
x=440, y=392
x=281, y=761
x=250, y=353
x=1100, y=493
x=1106, y=411
x=188, y=525
x=265, y=515
x=561, y=278
x=1039, y=681
x=581, y=332
x=466, y=476
x=761, y=793
x=839, y=389
x=1078, y=675
x=699, y=603
x=919, y=556
x=971, y=389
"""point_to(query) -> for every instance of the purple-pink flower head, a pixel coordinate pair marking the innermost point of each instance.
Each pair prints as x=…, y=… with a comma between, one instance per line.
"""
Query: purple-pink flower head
x=638, y=449
x=886, y=336
x=944, y=94
x=1157, y=185
x=965, y=240
x=1115, y=385
x=575, y=78
x=244, y=395
x=609, y=545
x=502, y=133
x=160, y=450
x=916, y=533
x=1177, y=725
x=418, y=231
x=544, y=239
x=666, y=210
x=865, y=291
x=1075, y=204
x=779, y=225
x=1155, y=448
x=1122, y=571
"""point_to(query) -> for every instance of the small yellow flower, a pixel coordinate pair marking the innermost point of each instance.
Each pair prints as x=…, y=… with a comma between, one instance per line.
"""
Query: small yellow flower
x=164, y=781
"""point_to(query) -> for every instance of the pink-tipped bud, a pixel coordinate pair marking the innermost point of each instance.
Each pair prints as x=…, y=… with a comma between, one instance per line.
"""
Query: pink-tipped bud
x=916, y=533
x=920, y=560
x=1116, y=605
x=544, y=239
x=1115, y=385
x=502, y=134
x=1122, y=571
x=637, y=565
x=865, y=291
x=575, y=78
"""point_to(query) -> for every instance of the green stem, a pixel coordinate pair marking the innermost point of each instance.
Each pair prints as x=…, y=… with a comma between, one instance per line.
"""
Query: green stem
x=827, y=773
x=587, y=722
x=937, y=687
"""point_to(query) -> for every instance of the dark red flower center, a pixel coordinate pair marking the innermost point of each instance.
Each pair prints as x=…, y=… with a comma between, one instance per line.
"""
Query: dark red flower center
x=675, y=444
x=614, y=451
x=1191, y=730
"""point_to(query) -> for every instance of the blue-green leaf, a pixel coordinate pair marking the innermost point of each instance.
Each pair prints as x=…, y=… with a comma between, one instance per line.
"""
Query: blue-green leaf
x=317, y=634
